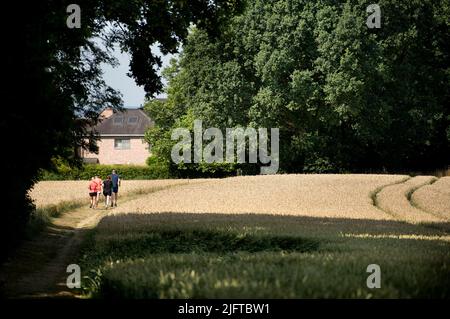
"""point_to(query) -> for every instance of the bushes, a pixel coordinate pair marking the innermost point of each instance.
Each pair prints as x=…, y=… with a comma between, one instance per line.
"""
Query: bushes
x=204, y=170
x=156, y=168
x=41, y=217
x=63, y=172
x=160, y=169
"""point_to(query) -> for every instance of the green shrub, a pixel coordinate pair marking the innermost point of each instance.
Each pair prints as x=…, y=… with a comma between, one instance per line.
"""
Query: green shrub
x=154, y=171
x=204, y=170
x=160, y=168
x=156, y=168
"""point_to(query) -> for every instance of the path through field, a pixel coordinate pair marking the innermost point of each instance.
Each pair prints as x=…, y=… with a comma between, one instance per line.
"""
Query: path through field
x=38, y=268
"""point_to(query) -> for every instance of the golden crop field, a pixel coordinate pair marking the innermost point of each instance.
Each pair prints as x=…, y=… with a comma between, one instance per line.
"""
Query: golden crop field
x=54, y=192
x=363, y=196
x=434, y=198
x=277, y=236
x=394, y=200
x=346, y=196
x=280, y=236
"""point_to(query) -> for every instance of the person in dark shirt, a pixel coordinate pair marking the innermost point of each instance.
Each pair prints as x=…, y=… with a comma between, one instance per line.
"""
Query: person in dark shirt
x=115, y=187
x=107, y=190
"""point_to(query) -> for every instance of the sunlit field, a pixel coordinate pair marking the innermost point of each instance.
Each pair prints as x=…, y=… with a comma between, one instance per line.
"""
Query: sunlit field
x=284, y=236
x=55, y=192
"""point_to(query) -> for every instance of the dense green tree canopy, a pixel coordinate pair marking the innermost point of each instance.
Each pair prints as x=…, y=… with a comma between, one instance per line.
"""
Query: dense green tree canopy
x=346, y=97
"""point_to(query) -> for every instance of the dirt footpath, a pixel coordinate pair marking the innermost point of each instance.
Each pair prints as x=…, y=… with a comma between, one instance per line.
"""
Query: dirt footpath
x=38, y=269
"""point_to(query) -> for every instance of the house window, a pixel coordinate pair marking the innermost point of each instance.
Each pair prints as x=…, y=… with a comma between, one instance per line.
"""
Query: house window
x=133, y=120
x=118, y=120
x=122, y=144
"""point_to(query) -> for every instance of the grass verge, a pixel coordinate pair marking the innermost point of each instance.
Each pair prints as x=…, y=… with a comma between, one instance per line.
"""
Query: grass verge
x=42, y=216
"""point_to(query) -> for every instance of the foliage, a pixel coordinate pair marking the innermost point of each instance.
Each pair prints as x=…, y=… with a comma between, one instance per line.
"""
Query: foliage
x=154, y=170
x=167, y=118
x=42, y=216
x=345, y=97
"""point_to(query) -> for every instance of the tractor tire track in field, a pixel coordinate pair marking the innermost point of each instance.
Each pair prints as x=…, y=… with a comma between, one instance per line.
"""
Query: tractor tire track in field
x=38, y=268
x=434, y=198
x=396, y=200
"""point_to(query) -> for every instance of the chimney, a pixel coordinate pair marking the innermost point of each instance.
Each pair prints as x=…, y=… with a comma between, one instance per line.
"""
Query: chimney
x=106, y=113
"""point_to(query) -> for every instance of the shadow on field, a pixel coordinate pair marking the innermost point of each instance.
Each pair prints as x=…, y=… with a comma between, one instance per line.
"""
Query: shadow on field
x=214, y=255
x=168, y=224
x=30, y=272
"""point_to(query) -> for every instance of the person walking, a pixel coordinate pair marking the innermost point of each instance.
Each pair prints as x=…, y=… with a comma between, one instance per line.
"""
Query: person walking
x=99, y=183
x=115, y=178
x=107, y=190
x=93, y=193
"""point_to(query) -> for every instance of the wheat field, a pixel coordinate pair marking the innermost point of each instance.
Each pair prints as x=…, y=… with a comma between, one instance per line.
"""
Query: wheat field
x=345, y=196
x=377, y=197
x=279, y=236
x=54, y=192
x=394, y=199
x=434, y=198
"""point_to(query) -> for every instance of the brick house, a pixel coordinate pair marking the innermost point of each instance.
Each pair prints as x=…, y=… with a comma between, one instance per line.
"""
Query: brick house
x=121, y=138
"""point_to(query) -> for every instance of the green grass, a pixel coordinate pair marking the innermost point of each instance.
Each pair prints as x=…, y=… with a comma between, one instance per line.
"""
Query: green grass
x=262, y=256
x=42, y=216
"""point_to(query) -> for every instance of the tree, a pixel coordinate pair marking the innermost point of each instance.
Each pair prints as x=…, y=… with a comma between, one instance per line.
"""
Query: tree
x=345, y=97
x=54, y=71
